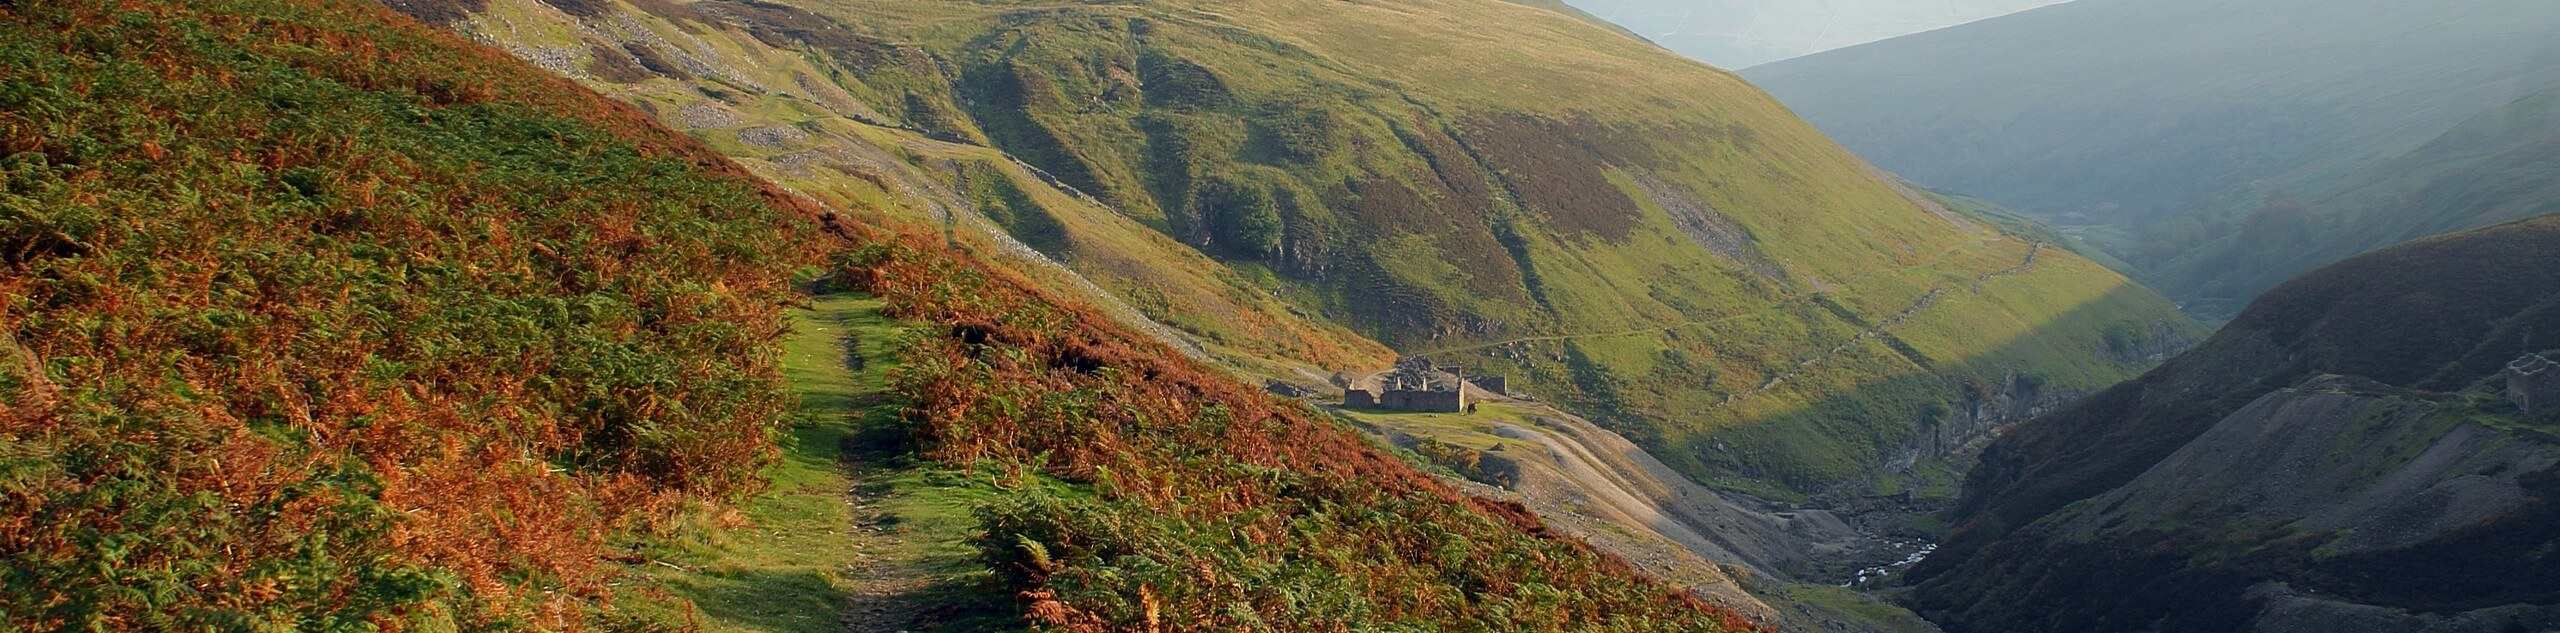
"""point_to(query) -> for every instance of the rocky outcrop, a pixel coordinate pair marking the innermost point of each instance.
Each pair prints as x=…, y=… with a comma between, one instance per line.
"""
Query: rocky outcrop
x=1718, y=232
x=2147, y=345
x=1979, y=414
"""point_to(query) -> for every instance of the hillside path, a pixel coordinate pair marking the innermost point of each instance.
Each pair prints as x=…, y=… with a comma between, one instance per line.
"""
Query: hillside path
x=853, y=535
x=885, y=585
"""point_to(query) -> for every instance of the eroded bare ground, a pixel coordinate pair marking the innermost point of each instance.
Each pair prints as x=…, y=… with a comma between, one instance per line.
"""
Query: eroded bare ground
x=888, y=590
x=914, y=569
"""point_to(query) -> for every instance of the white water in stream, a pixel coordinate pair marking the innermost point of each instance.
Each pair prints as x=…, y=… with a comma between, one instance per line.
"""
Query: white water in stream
x=1880, y=571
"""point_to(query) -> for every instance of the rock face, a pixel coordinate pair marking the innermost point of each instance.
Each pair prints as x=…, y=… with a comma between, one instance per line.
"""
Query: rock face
x=2343, y=457
x=1981, y=412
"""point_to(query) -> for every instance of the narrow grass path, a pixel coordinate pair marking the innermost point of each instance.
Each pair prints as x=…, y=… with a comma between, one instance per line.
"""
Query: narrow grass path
x=853, y=535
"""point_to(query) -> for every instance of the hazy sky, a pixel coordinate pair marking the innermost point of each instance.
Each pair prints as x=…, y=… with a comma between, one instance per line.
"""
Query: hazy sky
x=1739, y=34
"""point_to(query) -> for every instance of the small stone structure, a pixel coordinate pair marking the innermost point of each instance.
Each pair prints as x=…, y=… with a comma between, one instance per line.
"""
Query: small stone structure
x=2533, y=382
x=1424, y=399
x=1415, y=386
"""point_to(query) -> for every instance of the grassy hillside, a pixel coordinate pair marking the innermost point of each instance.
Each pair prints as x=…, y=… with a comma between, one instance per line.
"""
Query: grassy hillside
x=2421, y=321
x=318, y=318
x=2156, y=128
x=1479, y=181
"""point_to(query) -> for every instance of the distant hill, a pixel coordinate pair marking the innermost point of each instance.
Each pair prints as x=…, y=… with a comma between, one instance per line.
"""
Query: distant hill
x=2151, y=127
x=1745, y=33
x=2498, y=166
x=2344, y=456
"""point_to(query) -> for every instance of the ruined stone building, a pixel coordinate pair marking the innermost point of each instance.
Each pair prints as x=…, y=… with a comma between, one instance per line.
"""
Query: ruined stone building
x=1416, y=386
x=2533, y=382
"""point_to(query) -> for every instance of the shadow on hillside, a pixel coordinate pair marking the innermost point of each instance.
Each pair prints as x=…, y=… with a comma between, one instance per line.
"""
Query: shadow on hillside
x=808, y=601
x=1914, y=431
x=765, y=600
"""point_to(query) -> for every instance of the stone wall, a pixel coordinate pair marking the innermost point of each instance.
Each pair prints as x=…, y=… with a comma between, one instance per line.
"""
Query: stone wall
x=1439, y=401
x=1359, y=399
